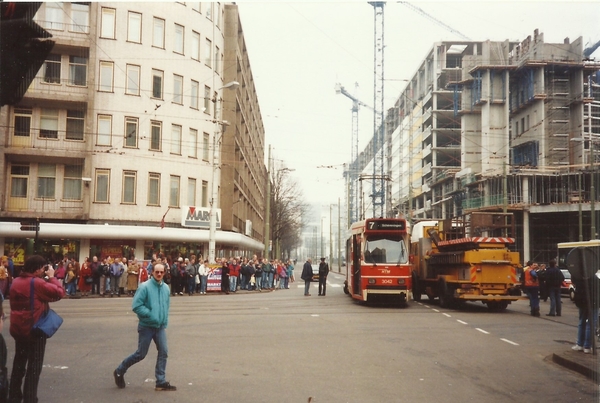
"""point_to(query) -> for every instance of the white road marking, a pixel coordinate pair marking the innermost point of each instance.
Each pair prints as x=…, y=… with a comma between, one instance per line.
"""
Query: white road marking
x=314, y=315
x=482, y=331
x=435, y=310
x=510, y=342
x=427, y=306
x=445, y=314
x=460, y=321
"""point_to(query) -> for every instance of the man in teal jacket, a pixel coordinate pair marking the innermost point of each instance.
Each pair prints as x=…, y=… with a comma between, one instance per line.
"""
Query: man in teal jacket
x=151, y=304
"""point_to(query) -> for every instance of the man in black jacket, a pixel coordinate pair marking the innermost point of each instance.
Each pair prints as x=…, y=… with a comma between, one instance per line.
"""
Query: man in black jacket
x=554, y=279
x=323, y=272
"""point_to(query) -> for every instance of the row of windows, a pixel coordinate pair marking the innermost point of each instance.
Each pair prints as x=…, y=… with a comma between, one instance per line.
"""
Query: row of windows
x=72, y=123
x=134, y=34
x=77, y=73
x=48, y=174
x=73, y=16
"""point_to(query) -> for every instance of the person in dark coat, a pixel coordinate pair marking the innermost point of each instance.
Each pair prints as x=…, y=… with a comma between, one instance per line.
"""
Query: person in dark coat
x=323, y=272
x=587, y=297
x=307, y=276
x=554, y=280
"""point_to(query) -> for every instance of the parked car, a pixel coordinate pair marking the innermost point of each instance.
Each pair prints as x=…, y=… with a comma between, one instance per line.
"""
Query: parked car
x=315, y=269
x=567, y=286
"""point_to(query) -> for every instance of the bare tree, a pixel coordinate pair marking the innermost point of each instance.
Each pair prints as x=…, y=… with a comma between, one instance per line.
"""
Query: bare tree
x=288, y=208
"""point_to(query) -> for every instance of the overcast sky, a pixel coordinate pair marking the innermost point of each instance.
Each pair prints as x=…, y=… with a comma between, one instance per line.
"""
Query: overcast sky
x=300, y=50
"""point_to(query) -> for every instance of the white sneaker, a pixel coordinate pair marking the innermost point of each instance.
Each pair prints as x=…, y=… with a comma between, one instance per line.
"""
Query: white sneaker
x=587, y=350
x=577, y=348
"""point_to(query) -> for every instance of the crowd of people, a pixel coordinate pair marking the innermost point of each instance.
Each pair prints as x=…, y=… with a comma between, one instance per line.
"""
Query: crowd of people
x=185, y=275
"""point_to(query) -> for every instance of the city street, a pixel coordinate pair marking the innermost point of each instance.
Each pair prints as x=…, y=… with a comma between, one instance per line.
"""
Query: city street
x=283, y=347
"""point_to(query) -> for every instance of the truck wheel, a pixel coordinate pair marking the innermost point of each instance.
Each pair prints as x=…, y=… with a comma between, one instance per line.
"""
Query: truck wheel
x=497, y=306
x=416, y=291
x=346, y=290
x=445, y=298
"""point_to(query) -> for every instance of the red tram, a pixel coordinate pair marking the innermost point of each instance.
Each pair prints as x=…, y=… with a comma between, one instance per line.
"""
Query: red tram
x=378, y=265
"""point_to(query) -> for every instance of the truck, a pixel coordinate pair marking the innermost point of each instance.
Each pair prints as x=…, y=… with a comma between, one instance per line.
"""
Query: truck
x=466, y=259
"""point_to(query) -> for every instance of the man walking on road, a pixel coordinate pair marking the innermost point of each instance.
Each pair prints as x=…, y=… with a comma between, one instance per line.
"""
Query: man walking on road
x=554, y=279
x=307, y=276
x=151, y=304
x=323, y=272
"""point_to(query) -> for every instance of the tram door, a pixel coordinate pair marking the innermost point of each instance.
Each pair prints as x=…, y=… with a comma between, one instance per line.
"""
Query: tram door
x=356, y=249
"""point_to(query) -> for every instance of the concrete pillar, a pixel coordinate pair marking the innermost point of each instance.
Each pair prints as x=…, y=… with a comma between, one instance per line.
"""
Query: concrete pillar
x=526, y=241
x=84, y=249
x=139, y=249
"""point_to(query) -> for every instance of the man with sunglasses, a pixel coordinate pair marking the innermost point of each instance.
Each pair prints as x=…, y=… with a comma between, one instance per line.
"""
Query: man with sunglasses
x=151, y=304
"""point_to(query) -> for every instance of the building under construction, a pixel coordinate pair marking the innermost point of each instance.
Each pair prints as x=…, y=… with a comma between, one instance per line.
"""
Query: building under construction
x=499, y=126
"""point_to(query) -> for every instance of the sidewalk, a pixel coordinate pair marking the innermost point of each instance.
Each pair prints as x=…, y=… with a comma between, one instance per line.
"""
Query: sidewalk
x=585, y=364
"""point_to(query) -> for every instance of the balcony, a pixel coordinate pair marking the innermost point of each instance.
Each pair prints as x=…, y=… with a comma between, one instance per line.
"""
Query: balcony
x=65, y=90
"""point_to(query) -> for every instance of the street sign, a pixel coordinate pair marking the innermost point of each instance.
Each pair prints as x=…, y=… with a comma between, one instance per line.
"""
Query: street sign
x=30, y=226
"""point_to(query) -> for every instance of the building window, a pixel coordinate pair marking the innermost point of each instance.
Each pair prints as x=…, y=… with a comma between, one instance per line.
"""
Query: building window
x=195, y=45
x=132, y=86
x=155, y=136
x=134, y=27
x=194, y=88
x=207, y=51
x=218, y=14
x=102, y=181
x=106, y=77
x=131, y=132
x=52, y=69
x=191, y=195
x=204, y=194
x=158, y=37
x=78, y=70
x=179, y=39
x=49, y=124
x=209, y=10
x=46, y=181
x=107, y=29
x=207, y=100
x=154, y=189
x=193, y=145
x=205, y=142
x=174, y=191
x=72, y=182
x=80, y=17
x=19, y=176
x=196, y=6
x=157, y=84
x=177, y=89
x=104, y=133
x=22, y=122
x=217, y=59
x=176, y=140
x=129, y=184
x=54, y=16
x=75, y=124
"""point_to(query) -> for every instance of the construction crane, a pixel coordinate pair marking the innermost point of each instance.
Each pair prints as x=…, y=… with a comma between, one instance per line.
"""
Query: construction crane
x=432, y=18
x=379, y=184
x=353, y=169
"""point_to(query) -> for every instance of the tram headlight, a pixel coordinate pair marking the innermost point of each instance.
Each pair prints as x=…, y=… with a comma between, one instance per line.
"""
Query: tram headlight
x=371, y=281
x=401, y=281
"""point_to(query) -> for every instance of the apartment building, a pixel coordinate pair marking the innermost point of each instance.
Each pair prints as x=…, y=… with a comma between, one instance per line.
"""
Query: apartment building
x=498, y=126
x=113, y=146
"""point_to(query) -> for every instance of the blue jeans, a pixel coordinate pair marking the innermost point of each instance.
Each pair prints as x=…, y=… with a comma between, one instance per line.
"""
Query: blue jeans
x=555, y=302
x=145, y=336
x=258, y=280
x=265, y=280
x=191, y=285
x=270, y=280
x=71, y=289
x=232, y=283
x=534, y=297
x=282, y=282
x=584, y=330
x=203, y=283
x=306, y=287
x=114, y=284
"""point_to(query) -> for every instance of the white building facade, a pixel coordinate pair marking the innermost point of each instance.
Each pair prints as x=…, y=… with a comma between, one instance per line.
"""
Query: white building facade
x=111, y=149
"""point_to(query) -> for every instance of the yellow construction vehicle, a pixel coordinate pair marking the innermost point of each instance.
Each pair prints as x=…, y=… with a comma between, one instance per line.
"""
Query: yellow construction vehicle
x=466, y=259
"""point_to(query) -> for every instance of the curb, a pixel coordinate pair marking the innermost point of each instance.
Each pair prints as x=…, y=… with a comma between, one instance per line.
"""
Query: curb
x=588, y=372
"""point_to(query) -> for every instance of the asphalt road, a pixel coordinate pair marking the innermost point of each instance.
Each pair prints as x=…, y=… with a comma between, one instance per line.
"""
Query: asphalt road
x=283, y=347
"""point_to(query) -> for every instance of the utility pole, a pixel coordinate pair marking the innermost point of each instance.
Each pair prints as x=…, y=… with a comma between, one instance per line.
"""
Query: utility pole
x=339, y=254
x=330, y=235
x=268, y=206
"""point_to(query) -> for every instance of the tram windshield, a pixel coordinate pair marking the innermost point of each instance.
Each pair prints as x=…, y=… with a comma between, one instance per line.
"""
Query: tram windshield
x=380, y=249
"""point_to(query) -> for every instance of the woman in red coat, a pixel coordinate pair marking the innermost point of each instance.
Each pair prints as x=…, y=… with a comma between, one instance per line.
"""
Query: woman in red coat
x=30, y=347
x=85, y=272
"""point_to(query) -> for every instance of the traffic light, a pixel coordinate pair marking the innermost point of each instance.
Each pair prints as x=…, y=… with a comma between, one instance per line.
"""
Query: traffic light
x=23, y=47
x=30, y=226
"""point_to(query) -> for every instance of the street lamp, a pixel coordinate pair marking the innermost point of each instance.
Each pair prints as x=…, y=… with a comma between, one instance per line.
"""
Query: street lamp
x=219, y=124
